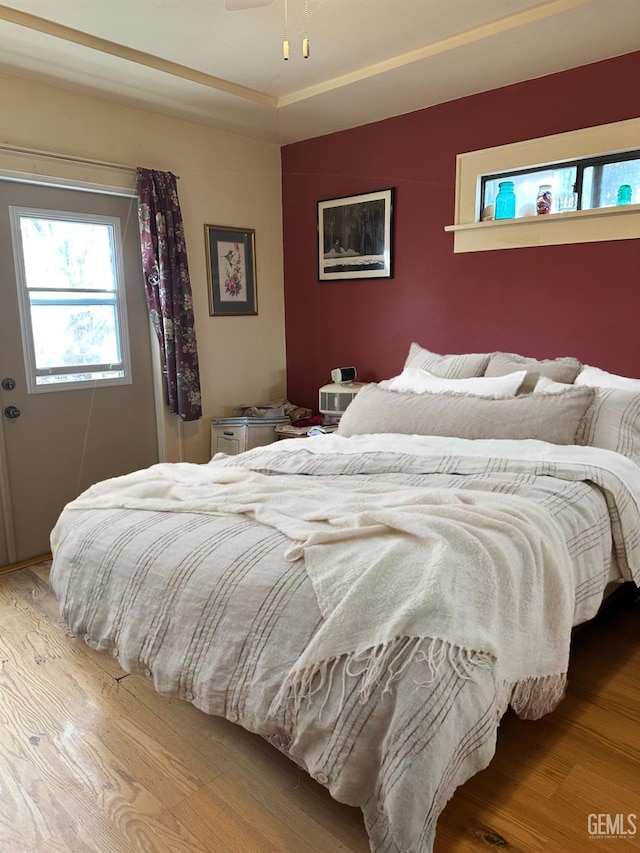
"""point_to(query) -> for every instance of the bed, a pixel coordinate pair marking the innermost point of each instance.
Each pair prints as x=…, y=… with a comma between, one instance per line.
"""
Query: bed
x=372, y=601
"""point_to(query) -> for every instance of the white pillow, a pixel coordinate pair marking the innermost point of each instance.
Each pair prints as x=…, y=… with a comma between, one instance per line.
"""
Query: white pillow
x=417, y=381
x=596, y=378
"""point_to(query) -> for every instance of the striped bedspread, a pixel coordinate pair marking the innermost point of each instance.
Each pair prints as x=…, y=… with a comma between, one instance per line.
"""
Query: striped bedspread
x=206, y=604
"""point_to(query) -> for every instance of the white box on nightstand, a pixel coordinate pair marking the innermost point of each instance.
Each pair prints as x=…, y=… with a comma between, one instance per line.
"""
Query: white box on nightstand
x=235, y=435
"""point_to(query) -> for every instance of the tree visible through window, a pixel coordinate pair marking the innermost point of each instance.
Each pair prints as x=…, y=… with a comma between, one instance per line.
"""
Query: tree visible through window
x=71, y=298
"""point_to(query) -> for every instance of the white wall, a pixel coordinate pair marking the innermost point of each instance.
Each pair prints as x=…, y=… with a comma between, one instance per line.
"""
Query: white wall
x=224, y=180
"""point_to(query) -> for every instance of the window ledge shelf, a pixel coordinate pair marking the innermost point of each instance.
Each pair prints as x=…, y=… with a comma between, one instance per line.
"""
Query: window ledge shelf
x=582, y=226
x=577, y=214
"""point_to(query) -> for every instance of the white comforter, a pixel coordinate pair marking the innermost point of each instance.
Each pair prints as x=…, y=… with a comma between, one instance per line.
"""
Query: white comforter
x=422, y=591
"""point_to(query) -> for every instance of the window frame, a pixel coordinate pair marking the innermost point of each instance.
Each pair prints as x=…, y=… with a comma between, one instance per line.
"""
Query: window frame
x=582, y=226
x=24, y=305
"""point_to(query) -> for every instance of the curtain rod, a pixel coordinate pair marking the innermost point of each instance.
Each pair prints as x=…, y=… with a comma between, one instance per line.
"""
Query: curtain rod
x=53, y=155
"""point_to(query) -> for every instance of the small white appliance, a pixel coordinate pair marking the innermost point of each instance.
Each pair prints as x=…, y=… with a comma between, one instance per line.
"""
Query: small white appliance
x=344, y=374
x=336, y=396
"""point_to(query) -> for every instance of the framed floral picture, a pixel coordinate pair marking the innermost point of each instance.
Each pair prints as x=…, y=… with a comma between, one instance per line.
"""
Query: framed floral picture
x=231, y=270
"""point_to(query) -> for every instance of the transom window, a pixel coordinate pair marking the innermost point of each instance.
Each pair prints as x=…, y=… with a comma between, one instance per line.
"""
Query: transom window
x=584, y=184
x=71, y=297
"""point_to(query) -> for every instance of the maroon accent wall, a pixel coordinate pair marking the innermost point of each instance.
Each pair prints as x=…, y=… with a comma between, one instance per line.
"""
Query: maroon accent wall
x=581, y=300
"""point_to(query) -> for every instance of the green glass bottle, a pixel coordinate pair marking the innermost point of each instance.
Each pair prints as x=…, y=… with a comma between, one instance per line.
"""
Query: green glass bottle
x=624, y=194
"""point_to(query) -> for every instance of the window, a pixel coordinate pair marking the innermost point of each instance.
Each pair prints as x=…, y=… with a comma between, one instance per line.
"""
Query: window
x=593, y=163
x=71, y=298
x=584, y=184
x=603, y=181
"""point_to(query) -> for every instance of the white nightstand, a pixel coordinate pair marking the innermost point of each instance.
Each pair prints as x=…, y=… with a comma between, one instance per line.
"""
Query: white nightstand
x=235, y=435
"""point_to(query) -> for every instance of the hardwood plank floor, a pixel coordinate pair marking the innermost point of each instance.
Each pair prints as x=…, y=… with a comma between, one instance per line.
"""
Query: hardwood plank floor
x=92, y=759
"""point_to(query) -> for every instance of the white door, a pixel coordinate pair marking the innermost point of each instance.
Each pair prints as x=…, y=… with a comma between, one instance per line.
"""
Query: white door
x=76, y=395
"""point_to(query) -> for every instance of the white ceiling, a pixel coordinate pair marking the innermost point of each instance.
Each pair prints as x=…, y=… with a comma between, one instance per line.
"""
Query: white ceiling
x=370, y=59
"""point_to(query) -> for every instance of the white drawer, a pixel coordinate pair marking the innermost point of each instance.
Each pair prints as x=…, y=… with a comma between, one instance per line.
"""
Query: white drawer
x=228, y=438
x=235, y=435
x=230, y=446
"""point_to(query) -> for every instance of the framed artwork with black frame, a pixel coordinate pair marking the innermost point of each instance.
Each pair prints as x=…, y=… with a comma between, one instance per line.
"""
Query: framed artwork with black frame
x=231, y=270
x=355, y=236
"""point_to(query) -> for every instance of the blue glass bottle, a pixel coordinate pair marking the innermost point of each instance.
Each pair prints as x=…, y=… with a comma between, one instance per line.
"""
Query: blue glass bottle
x=505, y=201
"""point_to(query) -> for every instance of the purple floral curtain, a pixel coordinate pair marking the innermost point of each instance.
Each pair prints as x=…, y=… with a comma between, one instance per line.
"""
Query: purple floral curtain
x=168, y=289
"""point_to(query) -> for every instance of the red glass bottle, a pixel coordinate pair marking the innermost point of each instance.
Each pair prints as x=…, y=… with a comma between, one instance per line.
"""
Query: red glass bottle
x=544, y=201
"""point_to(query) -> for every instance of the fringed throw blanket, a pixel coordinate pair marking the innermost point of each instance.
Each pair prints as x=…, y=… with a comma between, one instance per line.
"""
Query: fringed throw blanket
x=424, y=592
x=481, y=579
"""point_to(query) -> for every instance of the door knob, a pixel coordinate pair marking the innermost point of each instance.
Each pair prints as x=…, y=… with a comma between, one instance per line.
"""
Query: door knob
x=8, y=384
x=12, y=413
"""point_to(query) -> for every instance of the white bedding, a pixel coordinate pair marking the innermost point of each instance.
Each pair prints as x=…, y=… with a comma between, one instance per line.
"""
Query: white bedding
x=204, y=600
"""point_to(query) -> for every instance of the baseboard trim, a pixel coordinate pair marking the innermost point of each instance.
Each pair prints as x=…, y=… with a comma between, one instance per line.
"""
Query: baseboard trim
x=24, y=564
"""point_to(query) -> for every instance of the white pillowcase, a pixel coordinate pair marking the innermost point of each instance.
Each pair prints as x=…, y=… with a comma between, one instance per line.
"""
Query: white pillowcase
x=417, y=381
x=596, y=378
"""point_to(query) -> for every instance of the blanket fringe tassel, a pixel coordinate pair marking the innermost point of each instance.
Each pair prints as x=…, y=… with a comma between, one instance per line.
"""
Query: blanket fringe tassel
x=532, y=698
x=382, y=664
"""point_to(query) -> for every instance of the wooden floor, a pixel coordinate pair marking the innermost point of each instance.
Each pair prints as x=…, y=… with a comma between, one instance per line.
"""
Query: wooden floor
x=92, y=759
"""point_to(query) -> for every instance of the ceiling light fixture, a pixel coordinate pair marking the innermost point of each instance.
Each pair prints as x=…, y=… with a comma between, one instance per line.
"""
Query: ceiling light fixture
x=306, y=45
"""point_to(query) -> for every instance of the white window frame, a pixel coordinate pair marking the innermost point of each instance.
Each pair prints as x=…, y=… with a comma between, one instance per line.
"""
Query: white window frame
x=24, y=305
x=582, y=226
